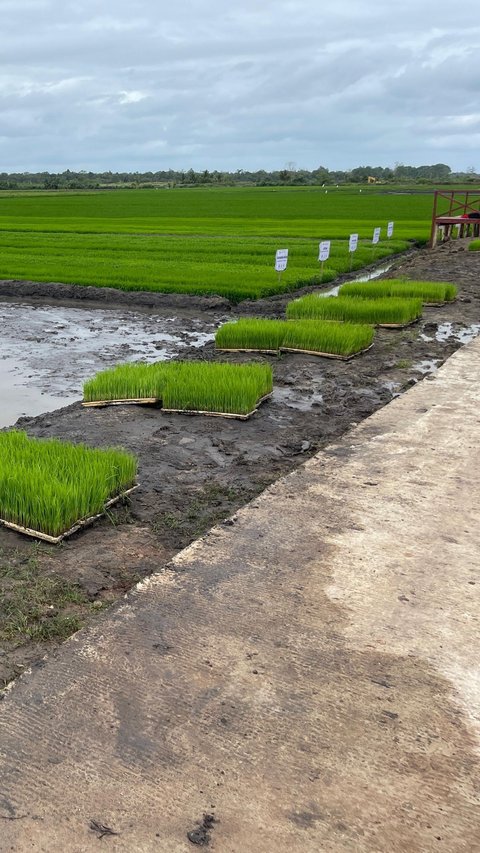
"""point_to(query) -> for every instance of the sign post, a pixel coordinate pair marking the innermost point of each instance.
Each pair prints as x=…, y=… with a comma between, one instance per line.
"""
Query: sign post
x=375, y=239
x=352, y=247
x=323, y=255
x=390, y=229
x=281, y=261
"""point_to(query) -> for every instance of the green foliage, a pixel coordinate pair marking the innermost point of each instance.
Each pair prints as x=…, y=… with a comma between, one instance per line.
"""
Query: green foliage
x=474, y=246
x=389, y=310
x=189, y=385
x=49, y=485
x=200, y=241
x=427, y=291
x=335, y=338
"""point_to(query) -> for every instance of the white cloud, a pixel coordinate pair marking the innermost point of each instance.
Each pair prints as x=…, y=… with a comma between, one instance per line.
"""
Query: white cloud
x=247, y=85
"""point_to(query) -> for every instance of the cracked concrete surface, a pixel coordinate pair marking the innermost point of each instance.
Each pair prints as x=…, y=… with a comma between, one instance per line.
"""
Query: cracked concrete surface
x=306, y=675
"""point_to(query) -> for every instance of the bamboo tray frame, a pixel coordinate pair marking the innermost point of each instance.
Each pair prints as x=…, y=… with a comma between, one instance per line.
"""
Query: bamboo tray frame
x=243, y=349
x=307, y=352
x=219, y=414
x=328, y=354
x=155, y=400
x=79, y=525
x=139, y=401
x=397, y=325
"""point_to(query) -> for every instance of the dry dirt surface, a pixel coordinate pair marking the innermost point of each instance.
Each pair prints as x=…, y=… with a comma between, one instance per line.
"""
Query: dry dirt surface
x=195, y=471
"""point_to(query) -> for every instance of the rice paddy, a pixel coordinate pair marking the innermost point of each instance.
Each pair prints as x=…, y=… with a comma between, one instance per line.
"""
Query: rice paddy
x=200, y=241
x=427, y=291
x=340, y=339
x=49, y=485
x=389, y=311
x=234, y=389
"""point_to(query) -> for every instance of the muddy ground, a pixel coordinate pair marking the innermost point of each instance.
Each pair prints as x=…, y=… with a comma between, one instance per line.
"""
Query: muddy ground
x=197, y=471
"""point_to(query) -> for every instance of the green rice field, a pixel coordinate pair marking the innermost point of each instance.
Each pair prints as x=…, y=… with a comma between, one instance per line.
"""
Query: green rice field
x=49, y=485
x=200, y=241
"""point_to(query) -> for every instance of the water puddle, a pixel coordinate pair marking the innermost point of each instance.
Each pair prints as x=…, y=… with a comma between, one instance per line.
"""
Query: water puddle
x=46, y=352
x=367, y=276
x=426, y=366
x=296, y=399
x=393, y=387
x=445, y=331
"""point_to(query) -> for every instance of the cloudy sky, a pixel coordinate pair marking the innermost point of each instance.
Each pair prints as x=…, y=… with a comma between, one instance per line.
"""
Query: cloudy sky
x=149, y=84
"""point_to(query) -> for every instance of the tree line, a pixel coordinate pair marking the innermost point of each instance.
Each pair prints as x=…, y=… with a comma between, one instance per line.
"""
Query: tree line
x=289, y=176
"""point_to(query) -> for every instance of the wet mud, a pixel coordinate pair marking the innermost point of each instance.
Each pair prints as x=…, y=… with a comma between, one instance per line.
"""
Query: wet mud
x=195, y=472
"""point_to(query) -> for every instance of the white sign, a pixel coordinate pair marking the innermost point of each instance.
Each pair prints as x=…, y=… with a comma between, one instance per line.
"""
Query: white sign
x=353, y=243
x=376, y=235
x=281, y=264
x=390, y=229
x=281, y=253
x=324, y=250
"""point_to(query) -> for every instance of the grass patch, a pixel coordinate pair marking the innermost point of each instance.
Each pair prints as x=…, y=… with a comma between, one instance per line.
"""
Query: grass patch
x=389, y=310
x=474, y=246
x=186, y=385
x=35, y=606
x=49, y=485
x=427, y=291
x=333, y=338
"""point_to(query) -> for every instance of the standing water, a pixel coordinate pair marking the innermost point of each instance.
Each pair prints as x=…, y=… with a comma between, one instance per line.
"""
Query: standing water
x=46, y=352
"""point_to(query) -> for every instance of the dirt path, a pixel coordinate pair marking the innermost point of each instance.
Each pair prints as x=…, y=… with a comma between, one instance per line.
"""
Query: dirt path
x=301, y=680
x=196, y=471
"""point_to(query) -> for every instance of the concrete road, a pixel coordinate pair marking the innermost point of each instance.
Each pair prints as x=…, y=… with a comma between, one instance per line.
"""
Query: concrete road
x=303, y=679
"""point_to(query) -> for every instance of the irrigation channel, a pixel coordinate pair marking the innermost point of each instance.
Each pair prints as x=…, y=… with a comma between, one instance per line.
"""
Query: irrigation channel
x=194, y=471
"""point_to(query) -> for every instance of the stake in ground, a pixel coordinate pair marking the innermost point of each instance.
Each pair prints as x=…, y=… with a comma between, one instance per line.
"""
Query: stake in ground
x=427, y=291
x=49, y=485
x=185, y=385
x=388, y=311
x=339, y=339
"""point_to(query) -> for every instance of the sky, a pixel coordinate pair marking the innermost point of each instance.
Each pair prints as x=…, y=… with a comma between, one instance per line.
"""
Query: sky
x=137, y=85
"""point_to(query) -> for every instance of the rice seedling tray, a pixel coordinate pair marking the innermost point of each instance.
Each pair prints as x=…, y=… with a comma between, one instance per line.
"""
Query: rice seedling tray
x=243, y=349
x=140, y=401
x=231, y=415
x=327, y=354
x=79, y=525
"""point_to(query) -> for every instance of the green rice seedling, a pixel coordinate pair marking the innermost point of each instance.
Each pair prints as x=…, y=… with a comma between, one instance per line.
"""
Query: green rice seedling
x=222, y=388
x=427, y=291
x=474, y=246
x=127, y=382
x=185, y=385
x=49, y=485
x=251, y=334
x=387, y=311
x=341, y=339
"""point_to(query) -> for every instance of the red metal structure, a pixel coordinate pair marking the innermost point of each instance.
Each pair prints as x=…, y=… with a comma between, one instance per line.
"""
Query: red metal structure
x=453, y=207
